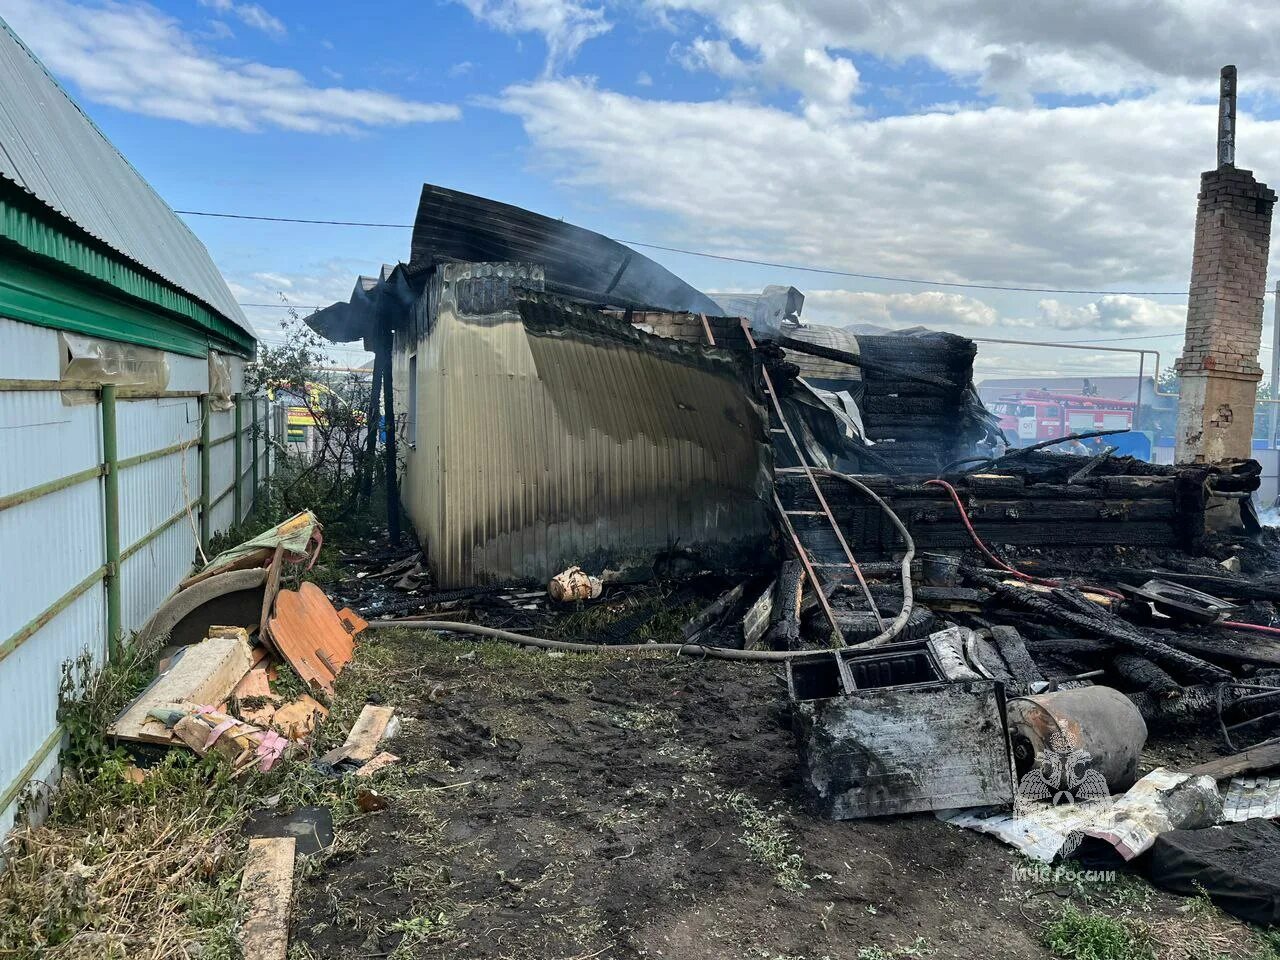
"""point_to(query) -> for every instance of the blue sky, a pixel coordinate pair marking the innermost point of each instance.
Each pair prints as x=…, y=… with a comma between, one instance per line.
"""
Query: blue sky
x=1013, y=142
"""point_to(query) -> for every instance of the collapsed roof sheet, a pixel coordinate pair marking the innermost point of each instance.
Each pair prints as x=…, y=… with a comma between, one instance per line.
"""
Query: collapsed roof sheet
x=390, y=294
x=455, y=226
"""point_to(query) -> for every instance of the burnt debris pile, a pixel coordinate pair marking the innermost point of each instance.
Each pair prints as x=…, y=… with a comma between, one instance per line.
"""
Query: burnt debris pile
x=715, y=476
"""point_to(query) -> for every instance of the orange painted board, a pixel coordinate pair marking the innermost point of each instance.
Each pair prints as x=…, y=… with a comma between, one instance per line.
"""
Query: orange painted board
x=352, y=621
x=253, y=684
x=291, y=631
x=331, y=634
x=310, y=636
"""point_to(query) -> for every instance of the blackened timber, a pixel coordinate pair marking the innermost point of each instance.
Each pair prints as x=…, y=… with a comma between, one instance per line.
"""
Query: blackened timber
x=1069, y=608
x=1234, y=588
x=855, y=360
x=1141, y=673
x=372, y=413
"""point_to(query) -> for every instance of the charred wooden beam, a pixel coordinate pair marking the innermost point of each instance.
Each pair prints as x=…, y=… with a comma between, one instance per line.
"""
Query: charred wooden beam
x=1070, y=608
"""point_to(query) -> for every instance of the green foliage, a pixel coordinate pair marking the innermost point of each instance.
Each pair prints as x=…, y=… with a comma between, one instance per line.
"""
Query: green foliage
x=1268, y=944
x=768, y=841
x=334, y=478
x=89, y=698
x=287, y=684
x=1077, y=935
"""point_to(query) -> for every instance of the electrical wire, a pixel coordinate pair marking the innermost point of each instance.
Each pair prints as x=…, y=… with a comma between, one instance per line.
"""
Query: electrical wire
x=827, y=271
x=1248, y=627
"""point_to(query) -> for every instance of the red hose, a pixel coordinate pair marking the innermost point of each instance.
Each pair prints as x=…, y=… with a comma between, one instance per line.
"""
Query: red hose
x=1248, y=627
x=977, y=542
x=1000, y=564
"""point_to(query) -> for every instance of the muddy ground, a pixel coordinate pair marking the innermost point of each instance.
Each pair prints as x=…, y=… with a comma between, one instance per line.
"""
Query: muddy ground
x=552, y=806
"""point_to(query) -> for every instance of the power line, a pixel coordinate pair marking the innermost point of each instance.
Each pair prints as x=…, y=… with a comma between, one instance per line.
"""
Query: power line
x=826, y=271
x=278, y=306
x=1149, y=336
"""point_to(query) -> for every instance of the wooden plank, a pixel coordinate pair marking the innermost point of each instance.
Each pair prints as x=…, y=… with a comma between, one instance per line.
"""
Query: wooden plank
x=266, y=892
x=370, y=726
x=269, y=596
x=1265, y=756
x=383, y=759
x=205, y=673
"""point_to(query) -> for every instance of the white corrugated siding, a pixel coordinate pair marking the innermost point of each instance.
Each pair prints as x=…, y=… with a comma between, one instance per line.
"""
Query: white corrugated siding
x=51, y=544
x=537, y=452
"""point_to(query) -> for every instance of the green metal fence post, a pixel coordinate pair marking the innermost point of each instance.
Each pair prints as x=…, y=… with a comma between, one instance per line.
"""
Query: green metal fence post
x=111, y=515
x=237, y=498
x=205, y=453
x=253, y=450
x=266, y=441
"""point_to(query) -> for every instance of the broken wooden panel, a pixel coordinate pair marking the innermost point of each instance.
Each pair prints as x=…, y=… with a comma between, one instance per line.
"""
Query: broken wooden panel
x=310, y=636
x=895, y=750
x=202, y=674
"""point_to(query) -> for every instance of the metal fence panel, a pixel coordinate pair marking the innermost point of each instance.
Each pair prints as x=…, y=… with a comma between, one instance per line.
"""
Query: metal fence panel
x=52, y=541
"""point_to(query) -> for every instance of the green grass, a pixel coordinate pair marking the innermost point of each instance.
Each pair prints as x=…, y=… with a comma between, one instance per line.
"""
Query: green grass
x=768, y=841
x=1078, y=935
x=122, y=868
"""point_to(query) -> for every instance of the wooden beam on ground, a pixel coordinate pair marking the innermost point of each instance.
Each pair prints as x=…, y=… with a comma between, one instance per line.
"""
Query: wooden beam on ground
x=266, y=891
x=362, y=742
x=1265, y=756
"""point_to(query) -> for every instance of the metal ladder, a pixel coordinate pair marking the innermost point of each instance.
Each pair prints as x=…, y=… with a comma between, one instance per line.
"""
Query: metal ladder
x=810, y=567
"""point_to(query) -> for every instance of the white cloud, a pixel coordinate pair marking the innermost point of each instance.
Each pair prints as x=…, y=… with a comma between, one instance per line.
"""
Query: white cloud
x=1099, y=197
x=565, y=24
x=1011, y=48
x=1114, y=313
x=975, y=316
x=785, y=55
x=133, y=57
x=931, y=308
x=313, y=285
x=250, y=14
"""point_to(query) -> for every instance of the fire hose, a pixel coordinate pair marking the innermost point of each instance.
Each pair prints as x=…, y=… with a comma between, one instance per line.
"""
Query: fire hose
x=681, y=649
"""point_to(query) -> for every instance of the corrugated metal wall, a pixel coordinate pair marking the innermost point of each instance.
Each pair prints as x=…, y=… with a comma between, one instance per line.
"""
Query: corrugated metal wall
x=54, y=543
x=536, y=452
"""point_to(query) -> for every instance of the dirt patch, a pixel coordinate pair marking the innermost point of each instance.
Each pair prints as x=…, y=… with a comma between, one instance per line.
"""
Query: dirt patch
x=630, y=807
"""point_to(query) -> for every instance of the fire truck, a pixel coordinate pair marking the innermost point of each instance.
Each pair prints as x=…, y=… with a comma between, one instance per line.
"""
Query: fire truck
x=1030, y=416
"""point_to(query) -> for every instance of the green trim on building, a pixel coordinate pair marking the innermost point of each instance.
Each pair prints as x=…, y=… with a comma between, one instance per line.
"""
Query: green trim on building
x=55, y=275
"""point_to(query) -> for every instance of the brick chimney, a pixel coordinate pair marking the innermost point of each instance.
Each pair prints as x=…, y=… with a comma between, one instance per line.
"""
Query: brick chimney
x=1219, y=364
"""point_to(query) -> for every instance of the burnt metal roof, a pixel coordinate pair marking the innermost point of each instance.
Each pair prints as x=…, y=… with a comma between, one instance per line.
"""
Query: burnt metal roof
x=582, y=264
x=52, y=151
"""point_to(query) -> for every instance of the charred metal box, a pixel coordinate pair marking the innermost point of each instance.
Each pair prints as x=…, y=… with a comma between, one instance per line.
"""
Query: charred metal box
x=880, y=733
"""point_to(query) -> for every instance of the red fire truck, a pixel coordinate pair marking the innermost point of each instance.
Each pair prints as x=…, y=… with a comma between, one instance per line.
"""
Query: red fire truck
x=1030, y=416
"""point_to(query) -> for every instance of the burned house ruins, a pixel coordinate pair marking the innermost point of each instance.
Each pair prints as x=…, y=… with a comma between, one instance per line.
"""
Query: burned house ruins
x=947, y=611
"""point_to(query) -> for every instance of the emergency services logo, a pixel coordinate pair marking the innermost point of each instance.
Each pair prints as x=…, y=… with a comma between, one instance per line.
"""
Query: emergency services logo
x=1063, y=775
